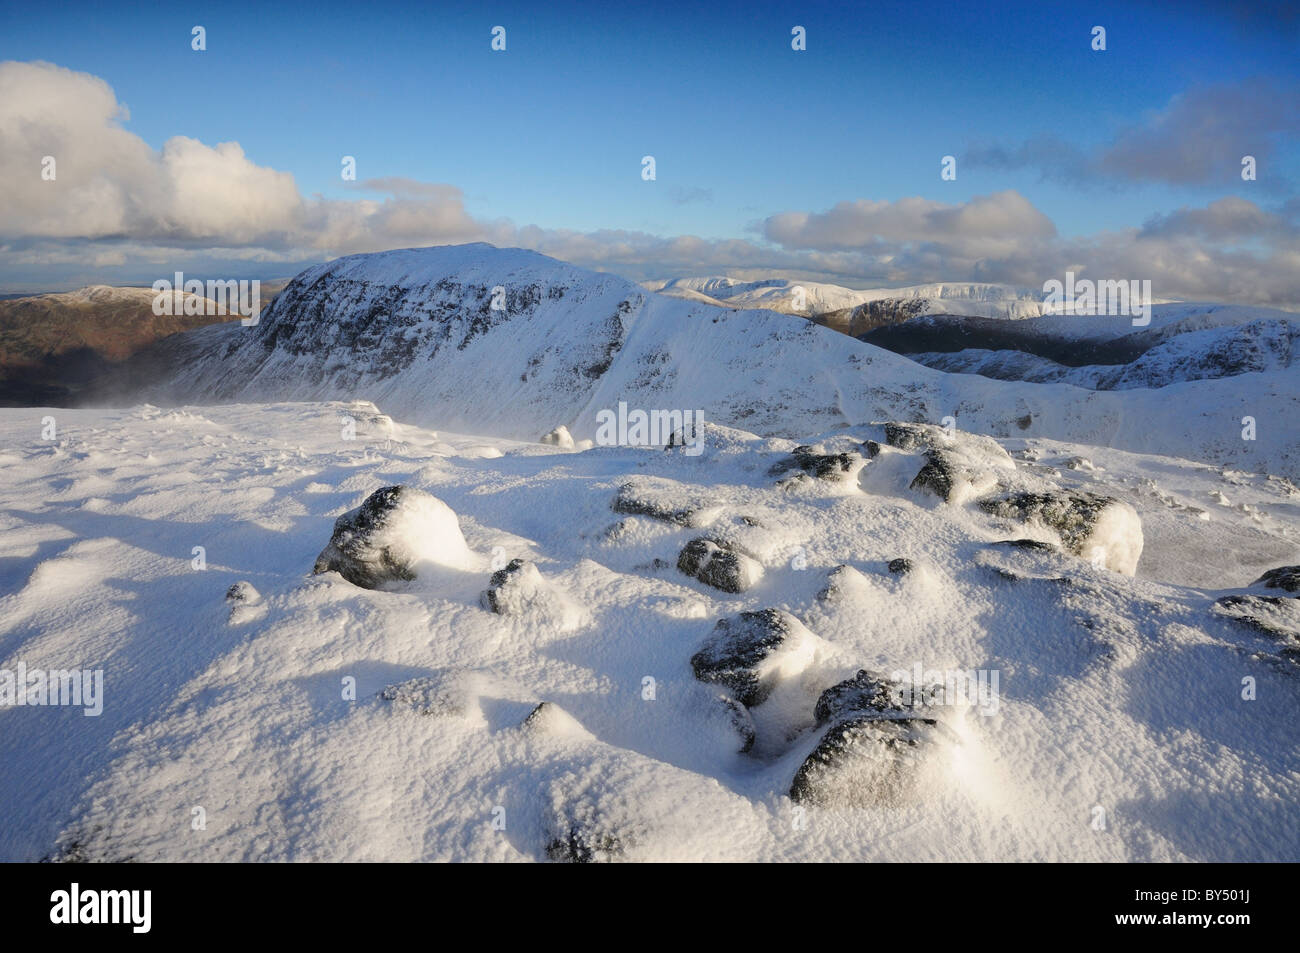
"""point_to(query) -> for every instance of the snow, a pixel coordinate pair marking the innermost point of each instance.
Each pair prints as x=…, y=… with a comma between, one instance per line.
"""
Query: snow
x=1117, y=692
x=974, y=298
x=414, y=331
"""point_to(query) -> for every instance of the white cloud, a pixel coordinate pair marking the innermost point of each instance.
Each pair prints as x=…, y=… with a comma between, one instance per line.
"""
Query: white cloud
x=116, y=201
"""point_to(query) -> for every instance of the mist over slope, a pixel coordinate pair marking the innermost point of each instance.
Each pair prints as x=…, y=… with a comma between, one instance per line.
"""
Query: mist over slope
x=415, y=331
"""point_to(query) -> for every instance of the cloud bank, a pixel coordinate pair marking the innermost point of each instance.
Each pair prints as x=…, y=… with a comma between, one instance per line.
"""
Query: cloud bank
x=115, y=201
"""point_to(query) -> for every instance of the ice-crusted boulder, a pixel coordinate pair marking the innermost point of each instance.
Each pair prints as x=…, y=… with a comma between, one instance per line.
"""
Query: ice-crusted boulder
x=752, y=653
x=864, y=693
x=390, y=535
x=1098, y=528
x=513, y=588
x=715, y=563
x=1283, y=577
x=823, y=466
x=866, y=761
x=559, y=437
x=667, y=501
x=1276, y=616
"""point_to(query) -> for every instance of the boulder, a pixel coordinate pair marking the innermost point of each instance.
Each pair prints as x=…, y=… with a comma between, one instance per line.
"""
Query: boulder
x=666, y=501
x=751, y=653
x=512, y=589
x=388, y=536
x=1283, y=577
x=823, y=466
x=715, y=563
x=865, y=761
x=864, y=693
x=1098, y=528
x=559, y=437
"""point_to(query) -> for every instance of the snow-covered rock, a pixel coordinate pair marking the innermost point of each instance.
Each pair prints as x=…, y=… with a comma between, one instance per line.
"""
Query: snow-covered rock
x=559, y=437
x=513, y=588
x=866, y=761
x=750, y=654
x=1103, y=530
x=390, y=535
x=715, y=563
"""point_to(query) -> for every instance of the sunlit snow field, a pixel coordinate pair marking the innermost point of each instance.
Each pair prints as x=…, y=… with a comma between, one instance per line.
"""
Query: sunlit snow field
x=1117, y=694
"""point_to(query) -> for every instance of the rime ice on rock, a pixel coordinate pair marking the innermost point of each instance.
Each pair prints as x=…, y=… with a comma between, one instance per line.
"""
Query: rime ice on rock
x=388, y=536
x=716, y=564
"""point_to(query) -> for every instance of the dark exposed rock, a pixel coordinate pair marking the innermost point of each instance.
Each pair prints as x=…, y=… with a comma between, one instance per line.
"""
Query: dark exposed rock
x=741, y=722
x=538, y=716
x=1034, y=545
x=865, y=761
x=901, y=565
x=870, y=449
x=1283, y=577
x=823, y=466
x=716, y=564
x=737, y=647
x=1070, y=514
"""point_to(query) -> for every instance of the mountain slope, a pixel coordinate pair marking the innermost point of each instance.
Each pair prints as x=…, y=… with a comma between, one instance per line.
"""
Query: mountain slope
x=415, y=331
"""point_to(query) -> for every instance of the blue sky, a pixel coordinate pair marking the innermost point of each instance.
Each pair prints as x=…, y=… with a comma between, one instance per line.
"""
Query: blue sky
x=551, y=132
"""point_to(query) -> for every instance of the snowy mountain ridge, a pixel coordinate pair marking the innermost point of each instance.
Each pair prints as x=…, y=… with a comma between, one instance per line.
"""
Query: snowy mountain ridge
x=416, y=332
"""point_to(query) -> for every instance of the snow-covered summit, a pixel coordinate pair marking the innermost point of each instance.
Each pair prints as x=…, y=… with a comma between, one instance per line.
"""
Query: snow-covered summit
x=510, y=343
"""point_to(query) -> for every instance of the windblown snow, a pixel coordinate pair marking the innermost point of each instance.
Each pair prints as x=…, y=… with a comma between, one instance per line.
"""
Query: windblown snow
x=349, y=605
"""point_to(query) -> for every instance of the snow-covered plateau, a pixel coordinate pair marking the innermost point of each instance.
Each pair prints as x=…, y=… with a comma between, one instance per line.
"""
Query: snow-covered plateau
x=349, y=605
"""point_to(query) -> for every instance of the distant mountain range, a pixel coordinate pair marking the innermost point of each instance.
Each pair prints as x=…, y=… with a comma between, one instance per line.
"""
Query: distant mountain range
x=416, y=331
